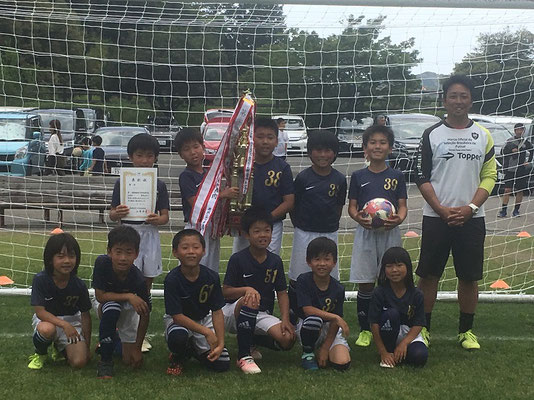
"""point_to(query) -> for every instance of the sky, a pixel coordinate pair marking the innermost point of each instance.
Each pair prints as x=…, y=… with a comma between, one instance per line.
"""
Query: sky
x=443, y=36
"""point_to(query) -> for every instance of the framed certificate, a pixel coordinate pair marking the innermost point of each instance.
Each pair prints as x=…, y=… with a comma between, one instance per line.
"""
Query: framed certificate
x=138, y=191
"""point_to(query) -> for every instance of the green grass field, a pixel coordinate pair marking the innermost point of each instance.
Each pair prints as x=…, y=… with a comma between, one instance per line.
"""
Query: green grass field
x=502, y=369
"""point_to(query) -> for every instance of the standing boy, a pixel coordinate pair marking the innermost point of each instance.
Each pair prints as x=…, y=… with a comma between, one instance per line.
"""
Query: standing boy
x=281, y=148
x=98, y=163
x=193, y=307
x=455, y=173
x=190, y=146
x=515, y=169
x=320, y=193
x=376, y=181
x=273, y=183
x=252, y=277
x=124, y=304
x=320, y=309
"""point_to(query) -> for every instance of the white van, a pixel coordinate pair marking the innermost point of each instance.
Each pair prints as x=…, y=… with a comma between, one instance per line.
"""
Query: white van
x=296, y=131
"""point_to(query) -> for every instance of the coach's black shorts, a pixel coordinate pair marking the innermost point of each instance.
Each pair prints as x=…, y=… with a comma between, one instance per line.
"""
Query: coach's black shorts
x=516, y=180
x=467, y=243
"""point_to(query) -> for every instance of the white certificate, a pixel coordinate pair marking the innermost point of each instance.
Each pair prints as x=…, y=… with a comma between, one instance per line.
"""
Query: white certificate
x=138, y=192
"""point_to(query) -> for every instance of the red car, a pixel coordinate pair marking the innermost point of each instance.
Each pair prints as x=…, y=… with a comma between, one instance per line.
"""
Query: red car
x=213, y=133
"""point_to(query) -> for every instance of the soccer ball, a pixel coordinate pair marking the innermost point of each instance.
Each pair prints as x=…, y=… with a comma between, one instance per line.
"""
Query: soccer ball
x=378, y=210
x=77, y=152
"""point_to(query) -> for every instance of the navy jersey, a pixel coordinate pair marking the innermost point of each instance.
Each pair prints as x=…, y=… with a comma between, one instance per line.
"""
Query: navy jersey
x=388, y=184
x=317, y=199
x=268, y=277
x=67, y=301
x=98, y=155
x=189, y=182
x=272, y=181
x=329, y=300
x=162, y=196
x=193, y=299
x=105, y=279
x=410, y=306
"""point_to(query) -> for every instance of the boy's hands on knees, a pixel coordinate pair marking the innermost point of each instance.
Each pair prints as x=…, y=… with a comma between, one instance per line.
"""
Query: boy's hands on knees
x=138, y=304
x=359, y=217
x=72, y=334
x=400, y=352
x=287, y=328
x=121, y=211
x=215, y=348
x=229, y=193
x=136, y=358
x=322, y=356
x=388, y=358
x=251, y=298
x=343, y=325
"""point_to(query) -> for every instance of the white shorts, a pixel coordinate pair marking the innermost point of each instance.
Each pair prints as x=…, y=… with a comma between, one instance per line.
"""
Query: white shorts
x=338, y=340
x=241, y=243
x=264, y=320
x=200, y=344
x=128, y=321
x=367, y=251
x=149, y=259
x=61, y=339
x=403, y=331
x=213, y=246
x=298, y=264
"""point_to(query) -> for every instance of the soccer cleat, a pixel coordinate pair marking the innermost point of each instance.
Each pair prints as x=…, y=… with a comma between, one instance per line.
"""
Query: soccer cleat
x=104, y=370
x=37, y=361
x=468, y=340
x=175, y=368
x=516, y=213
x=308, y=362
x=501, y=214
x=255, y=353
x=425, y=333
x=146, y=346
x=364, y=338
x=248, y=365
x=56, y=355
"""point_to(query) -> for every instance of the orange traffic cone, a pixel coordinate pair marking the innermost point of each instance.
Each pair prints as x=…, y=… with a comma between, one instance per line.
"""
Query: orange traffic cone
x=499, y=284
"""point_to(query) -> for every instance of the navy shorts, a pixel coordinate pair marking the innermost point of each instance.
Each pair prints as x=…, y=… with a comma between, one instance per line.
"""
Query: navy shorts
x=516, y=180
x=466, y=242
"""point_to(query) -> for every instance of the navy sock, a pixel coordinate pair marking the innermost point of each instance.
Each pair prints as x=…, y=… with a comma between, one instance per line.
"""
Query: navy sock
x=111, y=312
x=246, y=324
x=309, y=333
x=428, y=317
x=466, y=322
x=177, y=337
x=41, y=343
x=504, y=207
x=292, y=295
x=363, y=299
x=389, y=328
x=516, y=207
x=266, y=341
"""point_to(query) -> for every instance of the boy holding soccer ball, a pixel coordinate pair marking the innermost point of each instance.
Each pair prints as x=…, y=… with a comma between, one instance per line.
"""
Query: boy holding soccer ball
x=375, y=181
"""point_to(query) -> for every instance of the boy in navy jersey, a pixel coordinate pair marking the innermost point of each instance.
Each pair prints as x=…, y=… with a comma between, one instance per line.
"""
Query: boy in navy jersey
x=320, y=300
x=273, y=182
x=124, y=303
x=61, y=303
x=190, y=145
x=253, y=275
x=320, y=193
x=377, y=180
x=193, y=307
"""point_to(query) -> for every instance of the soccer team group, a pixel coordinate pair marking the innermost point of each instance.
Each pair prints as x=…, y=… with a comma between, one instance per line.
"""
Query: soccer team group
x=198, y=311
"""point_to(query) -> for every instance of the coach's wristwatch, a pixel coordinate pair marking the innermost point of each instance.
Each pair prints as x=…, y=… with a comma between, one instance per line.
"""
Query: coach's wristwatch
x=474, y=208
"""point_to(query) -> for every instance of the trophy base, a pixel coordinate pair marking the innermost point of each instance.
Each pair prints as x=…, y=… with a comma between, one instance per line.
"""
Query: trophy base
x=234, y=220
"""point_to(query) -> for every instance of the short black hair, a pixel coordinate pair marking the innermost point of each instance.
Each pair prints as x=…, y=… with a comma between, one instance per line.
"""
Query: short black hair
x=319, y=246
x=255, y=214
x=54, y=246
x=123, y=234
x=385, y=130
x=519, y=125
x=396, y=255
x=87, y=141
x=186, y=135
x=143, y=141
x=322, y=139
x=458, y=79
x=97, y=140
x=187, y=232
x=280, y=120
x=263, y=122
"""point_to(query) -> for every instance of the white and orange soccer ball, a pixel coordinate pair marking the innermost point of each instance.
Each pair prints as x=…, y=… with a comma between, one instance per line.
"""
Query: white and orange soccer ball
x=378, y=210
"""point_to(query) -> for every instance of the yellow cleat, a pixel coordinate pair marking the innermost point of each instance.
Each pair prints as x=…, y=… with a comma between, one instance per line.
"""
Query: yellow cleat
x=468, y=340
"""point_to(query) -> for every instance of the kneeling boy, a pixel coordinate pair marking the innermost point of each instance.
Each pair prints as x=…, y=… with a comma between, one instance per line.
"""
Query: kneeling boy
x=124, y=304
x=252, y=276
x=320, y=298
x=193, y=306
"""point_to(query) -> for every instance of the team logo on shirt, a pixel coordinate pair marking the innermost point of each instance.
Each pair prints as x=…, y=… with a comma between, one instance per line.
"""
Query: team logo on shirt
x=333, y=190
x=410, y=312
x=273, y=178
x=474, y=135
x=329, y=305
x=447, y=156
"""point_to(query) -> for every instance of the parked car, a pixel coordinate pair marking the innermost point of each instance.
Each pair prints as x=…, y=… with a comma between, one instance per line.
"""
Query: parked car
x=165, y=129
x=212, y=134
x=115, y=142
x=297, y=133
x=215, y=113
x=504, y=120
x=22, y=150
x=349, y=134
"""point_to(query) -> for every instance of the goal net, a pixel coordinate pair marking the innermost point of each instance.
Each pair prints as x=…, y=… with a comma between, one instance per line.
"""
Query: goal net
x=163, y=64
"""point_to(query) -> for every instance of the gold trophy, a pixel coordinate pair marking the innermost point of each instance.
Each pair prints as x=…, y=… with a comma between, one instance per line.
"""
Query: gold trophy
x=243, y=202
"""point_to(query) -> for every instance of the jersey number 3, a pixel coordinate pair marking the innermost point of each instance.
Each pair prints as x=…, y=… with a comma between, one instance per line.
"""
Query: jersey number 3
x=273, y=178
x=390, y=184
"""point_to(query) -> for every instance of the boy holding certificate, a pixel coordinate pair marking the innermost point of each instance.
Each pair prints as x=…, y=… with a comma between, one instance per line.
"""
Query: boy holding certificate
x=143, y=150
